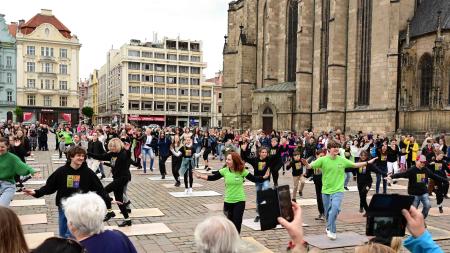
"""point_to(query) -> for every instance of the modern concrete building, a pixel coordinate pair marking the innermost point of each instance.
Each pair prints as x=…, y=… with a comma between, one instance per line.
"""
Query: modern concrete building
x=47, y=69
x=217, y=104
x=366, y=65
x=8, y=78
x=158, y=82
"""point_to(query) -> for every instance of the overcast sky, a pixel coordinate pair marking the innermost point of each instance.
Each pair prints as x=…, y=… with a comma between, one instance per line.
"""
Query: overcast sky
x=101, y=24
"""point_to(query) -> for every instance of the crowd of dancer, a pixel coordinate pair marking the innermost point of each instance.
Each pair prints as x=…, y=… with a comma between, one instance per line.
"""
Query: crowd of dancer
x=330, y=159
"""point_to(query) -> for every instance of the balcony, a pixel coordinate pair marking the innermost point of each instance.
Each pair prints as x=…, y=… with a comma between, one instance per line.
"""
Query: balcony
x=7, y=103
x=47, y=74
x=30, y=89
x=47, y=59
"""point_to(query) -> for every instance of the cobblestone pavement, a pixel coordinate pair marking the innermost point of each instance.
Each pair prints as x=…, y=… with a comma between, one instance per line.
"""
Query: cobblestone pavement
x=182, y=214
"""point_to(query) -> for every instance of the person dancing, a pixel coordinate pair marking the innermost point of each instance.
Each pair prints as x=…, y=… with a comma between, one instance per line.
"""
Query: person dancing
x=187, y=163
x=234, y=174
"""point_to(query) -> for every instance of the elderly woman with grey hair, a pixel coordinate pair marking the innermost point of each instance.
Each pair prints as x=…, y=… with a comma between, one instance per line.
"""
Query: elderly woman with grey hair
x=217, y=234
x=85, y=213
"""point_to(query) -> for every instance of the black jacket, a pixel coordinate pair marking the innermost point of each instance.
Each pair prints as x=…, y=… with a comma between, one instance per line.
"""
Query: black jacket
x=259, y=166
x=418, y=179
x=66, y=181
x=297, y=168
x=120, y=163
x=96, y=147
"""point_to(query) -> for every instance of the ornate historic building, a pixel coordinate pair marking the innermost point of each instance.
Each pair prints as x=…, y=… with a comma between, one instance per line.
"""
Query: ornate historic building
x=371, y=65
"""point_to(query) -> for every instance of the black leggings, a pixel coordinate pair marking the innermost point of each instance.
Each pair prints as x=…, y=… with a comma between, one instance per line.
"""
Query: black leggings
x=176, y=164
x=206, y=153
x=318, y=185
x=117, y=186
x=234, y=212
x=186, y=174
x=363, y=189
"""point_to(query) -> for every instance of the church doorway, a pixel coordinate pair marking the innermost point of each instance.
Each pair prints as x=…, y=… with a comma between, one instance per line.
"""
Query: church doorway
x=9, y=116
x=267, y=120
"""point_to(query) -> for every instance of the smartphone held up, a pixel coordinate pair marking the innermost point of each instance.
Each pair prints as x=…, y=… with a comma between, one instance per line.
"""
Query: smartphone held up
x=274, y=203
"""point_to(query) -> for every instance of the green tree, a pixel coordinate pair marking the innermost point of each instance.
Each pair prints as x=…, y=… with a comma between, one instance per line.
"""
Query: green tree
x=19, y=113
x=88, y=111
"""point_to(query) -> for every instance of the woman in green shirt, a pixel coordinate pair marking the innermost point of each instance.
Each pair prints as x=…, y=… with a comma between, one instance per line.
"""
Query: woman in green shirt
x=10, y=165
x=234, y=174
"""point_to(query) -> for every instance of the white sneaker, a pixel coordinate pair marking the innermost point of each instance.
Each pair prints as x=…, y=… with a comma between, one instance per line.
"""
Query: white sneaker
x=186, y=191
x=330, y=235
x=189, y=191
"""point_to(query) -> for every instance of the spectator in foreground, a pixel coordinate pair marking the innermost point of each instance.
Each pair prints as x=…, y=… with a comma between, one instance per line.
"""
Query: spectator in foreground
x=12, y=239
x=59, y=245
x=216, y=234
x=85, y=213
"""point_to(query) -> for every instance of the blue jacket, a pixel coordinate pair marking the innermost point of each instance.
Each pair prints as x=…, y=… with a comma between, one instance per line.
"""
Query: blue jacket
x=422, y=244
x=164, y=146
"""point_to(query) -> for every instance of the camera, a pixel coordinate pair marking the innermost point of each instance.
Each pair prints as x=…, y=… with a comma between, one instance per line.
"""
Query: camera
x=274, y=203
x=385, y=218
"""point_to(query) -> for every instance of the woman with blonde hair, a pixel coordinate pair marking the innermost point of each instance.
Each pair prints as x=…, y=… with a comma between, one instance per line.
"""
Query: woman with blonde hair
x=120, y=167
x=12, y=239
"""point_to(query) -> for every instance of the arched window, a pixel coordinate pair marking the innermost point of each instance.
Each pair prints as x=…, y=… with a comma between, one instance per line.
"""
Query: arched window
x=365, y=34
x=292, y=40
x=268, y=111
x=426, y=79
x=324, y=52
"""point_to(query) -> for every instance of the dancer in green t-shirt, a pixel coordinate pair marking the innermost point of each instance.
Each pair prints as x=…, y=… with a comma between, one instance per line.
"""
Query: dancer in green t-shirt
x=234, y=174
x=333, y=168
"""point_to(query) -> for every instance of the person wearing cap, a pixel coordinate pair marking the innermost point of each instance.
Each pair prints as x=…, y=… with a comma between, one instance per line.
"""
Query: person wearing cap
x=418, y=183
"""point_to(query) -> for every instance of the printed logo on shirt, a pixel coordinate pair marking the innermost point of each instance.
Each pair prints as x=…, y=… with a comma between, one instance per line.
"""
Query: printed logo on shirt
x=362, y=170
x=188, y=152
x=261, y=165
x=383, y=157
x=73, y=181
x=298, y=166
x=113, y=161
x=421, y=178
x=273, y=152
x=437, y=166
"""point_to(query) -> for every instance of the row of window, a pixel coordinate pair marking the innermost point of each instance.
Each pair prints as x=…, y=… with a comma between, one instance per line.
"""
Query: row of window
x=168, y=91
x=8, y=62
x=47, y=68
x=163, y=68
x=163, y=79
x=9, y=96
x=45, y=84
x=163, y=56
x=31, y=100
x=168, y=106
x=47, y=51
x=9, y=78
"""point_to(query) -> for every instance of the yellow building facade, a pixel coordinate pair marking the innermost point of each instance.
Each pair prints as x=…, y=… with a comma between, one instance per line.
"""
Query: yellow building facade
x=47, y=70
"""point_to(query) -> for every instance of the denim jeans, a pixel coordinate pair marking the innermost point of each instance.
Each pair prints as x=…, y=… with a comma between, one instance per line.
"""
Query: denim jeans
x=62, y=220
x=198, y=148
x=147, y=152
x=261, y=187
x=425, y=202
x=348, y=175
x=7, y=191
x=332, y=207
x=220, y=150
x=377, y=185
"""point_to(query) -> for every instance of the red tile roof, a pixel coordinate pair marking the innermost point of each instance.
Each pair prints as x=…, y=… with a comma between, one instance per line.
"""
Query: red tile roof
x=39, y=19
x=13, y=29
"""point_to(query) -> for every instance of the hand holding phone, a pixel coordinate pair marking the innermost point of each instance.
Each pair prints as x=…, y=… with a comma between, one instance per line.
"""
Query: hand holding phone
x=295, y=227
x=414, y=221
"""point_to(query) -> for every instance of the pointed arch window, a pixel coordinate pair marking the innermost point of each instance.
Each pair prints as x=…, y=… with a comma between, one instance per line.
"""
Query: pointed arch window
x=292, y=40
x=426, y=79
x=324, y=44
x=365, y=32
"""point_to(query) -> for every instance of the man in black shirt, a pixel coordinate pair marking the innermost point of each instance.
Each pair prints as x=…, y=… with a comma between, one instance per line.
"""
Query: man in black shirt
x=74, y=177
x=418, y=180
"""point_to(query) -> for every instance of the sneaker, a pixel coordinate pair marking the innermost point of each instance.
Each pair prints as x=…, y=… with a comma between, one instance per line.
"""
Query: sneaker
x=300, y=193
x=177, y=184
x=256, y=219
x=361, y=210
x=320, y=217
x=125, y=223
x=330, y=235
x=441, y=209
x=189, y=191
x=186, y=191
x=163, y=176
x=394, y=181
x=346, y=188
x=208, y=169
x=109, y=215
